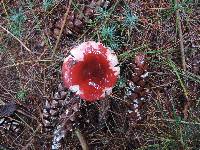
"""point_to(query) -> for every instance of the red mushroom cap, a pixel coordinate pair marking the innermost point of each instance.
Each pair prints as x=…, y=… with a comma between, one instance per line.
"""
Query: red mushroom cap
x=90, y=71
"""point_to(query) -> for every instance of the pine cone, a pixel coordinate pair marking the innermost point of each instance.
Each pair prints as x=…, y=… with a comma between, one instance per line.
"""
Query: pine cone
x=66, y=122
x=74, y=24
x=55, y=107
x=138, y=83
x=6, y=122
x=76, y=19
x=9, y=124
x=59, y=114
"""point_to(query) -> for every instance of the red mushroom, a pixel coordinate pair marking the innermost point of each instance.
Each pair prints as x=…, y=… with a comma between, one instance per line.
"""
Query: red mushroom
x=90, y=71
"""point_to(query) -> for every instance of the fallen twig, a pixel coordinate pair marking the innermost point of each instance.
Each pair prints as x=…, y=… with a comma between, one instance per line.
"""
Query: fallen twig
x=181, y=39
x=187, y=104
x=82, y=140
x=16, y=39
x=25, y=62
x=62, y=27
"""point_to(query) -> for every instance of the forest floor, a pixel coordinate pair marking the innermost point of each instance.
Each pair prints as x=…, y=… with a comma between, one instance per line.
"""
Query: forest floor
x=162, y=114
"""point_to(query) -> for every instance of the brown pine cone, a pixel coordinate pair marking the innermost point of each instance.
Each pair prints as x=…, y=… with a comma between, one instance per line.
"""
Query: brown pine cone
x=76, y=19
x=53, y=110
x=59, y=114
x=66, y=122
x=139, y=87
x=7, y=123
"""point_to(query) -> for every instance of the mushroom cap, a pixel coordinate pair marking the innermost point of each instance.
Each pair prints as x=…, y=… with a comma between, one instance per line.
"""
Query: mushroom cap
x=90, y=70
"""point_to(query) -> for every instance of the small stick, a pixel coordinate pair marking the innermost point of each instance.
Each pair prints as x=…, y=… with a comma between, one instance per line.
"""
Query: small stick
x=181, y=39
x=187, y=104
x=62, y=28
x=82, y=140
x=25, y=62
x=16, y=39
